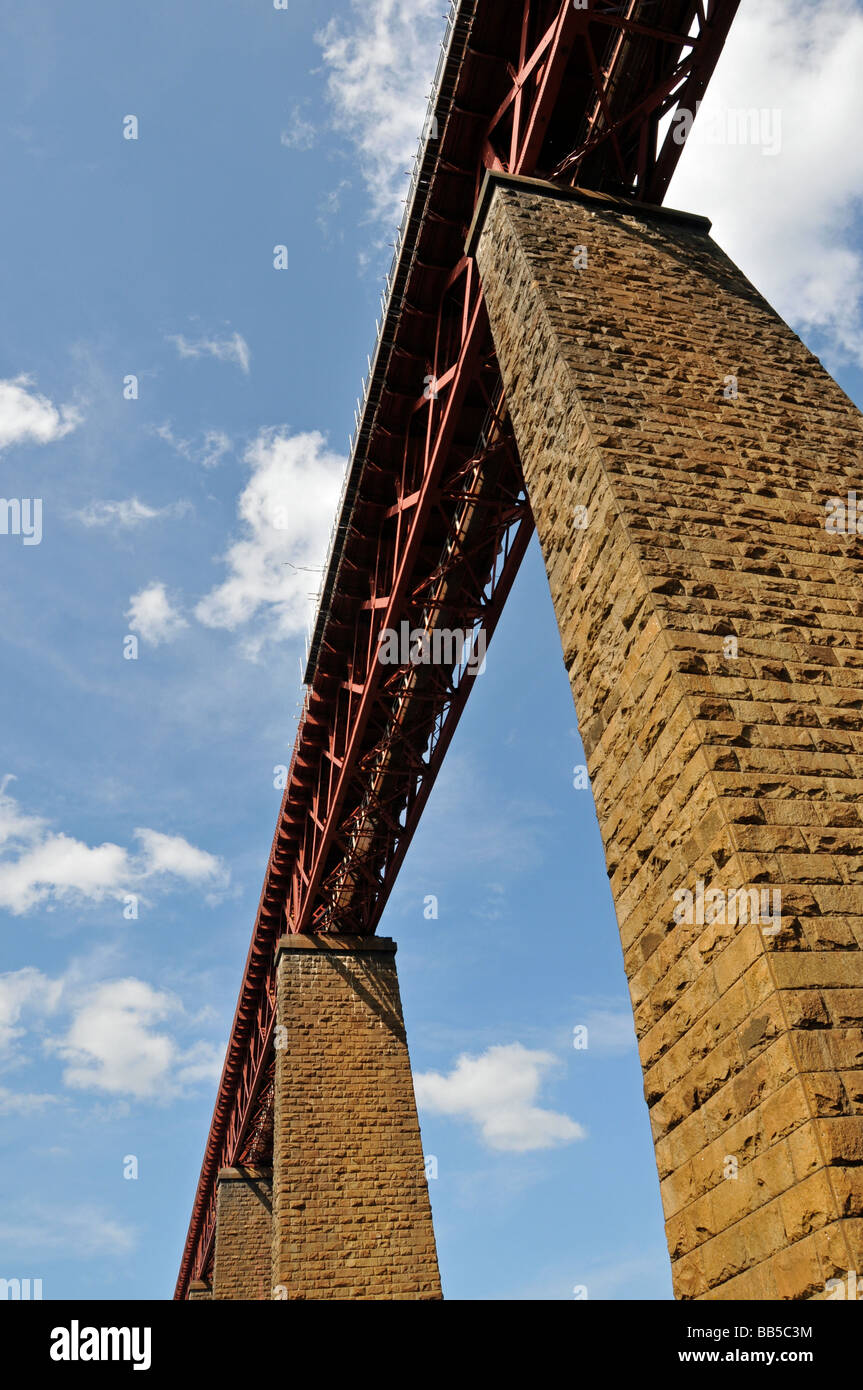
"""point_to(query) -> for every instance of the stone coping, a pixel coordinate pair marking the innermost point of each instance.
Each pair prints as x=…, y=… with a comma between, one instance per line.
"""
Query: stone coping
x=495, y=179
x=244, y=1175
x=332, y=944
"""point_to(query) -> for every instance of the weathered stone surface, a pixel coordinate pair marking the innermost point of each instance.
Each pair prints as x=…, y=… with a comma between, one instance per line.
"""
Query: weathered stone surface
x=351, y=1211
x=706, y=521
x=244, y=1198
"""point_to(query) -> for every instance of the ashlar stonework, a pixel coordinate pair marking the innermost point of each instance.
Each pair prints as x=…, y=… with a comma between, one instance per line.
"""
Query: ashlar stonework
x=680, y=447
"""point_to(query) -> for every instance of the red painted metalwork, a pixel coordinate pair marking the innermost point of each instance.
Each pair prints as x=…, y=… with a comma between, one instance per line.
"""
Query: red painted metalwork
x=435, y=520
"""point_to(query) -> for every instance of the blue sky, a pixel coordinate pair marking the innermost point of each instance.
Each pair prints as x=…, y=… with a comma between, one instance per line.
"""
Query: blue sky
x=147, y=786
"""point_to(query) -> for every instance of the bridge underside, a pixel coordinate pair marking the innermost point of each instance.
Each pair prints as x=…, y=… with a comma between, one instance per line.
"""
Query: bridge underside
x=710, y=624
x=677, y=466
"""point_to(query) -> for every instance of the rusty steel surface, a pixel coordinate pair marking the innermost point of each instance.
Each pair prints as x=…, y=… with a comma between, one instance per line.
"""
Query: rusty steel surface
x=434, y=519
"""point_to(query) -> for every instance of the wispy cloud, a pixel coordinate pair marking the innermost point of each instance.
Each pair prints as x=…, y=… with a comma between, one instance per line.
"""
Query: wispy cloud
x=129, y=513
x=299, y=133
x=233, y=348
x=207, y=454
x=610, y=1026
x=23, y=1104
x=27, y=417
x=81, y=1232
x=329, y=206
x=380, y=63
x=497, y=1091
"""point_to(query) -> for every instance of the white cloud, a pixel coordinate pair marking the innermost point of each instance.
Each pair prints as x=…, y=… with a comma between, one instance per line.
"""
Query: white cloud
x=26, y=416
x=329, y=206
x=497, y=1091
x=233, y=348
x=381, y=66
x=215, y=446
x=12, y=1103
x=171, y=854
x=61, y=868
x=79, y=1231
x=118, y=1037
x=15, y=825
x=788, y=218
x=300, y=134
x=286, y=511
x=153, y=616
x=23, y=991
x=39, y=866
x=114, y=1044
x=128, y=513
x=610, y=1029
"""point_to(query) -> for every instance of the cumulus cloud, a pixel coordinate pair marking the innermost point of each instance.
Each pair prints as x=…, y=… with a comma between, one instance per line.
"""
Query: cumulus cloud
x=115, y=1044
x=120, y=1037
x=43, y=867
x=380, y=66
x=128, y=513
x=62, y=868
x=152, y=615
x=497, y=1091
x=233, y=348
x=787, y=217
x=27, y=417
x=286, y=513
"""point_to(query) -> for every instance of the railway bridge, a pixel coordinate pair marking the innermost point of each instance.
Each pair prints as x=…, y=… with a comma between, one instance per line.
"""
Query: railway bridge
x=560, y=351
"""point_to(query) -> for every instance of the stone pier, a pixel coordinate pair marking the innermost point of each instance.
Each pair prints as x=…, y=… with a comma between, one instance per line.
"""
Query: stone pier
x=681, y=447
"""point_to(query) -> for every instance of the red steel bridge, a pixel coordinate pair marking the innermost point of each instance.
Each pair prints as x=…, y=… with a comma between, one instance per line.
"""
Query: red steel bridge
x=434, y=519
